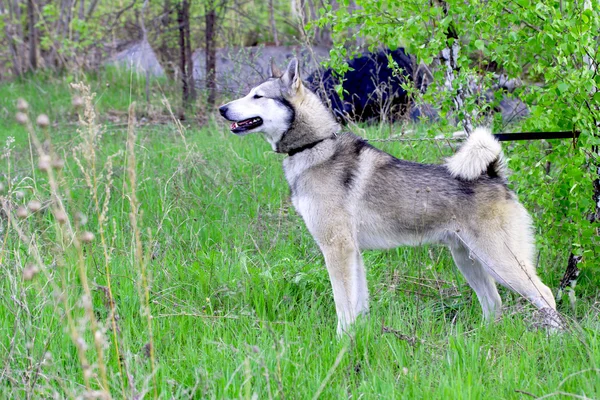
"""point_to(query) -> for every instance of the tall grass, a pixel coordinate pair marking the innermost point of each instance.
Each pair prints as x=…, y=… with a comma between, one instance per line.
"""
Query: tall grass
x=144, y=261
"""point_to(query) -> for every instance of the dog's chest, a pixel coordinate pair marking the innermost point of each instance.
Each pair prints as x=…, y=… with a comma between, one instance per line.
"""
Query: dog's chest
x=301, y=193
x=293, y=170
x=304, y=189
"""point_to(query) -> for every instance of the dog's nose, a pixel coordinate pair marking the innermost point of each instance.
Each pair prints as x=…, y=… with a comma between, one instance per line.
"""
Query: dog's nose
x=223, y=110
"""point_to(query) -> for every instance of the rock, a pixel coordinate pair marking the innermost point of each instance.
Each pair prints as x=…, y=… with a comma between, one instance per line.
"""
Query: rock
x=140, y=57
x=241, y=68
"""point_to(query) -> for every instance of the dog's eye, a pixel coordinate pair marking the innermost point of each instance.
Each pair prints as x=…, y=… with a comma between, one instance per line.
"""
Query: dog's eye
x=257, y=96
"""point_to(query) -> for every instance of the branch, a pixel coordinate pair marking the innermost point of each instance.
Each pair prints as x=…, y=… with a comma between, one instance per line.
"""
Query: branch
x=535, y=28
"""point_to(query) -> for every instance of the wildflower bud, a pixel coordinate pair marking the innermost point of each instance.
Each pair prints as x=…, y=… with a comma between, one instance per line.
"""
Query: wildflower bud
x=22, y=213
x=30, y=271
x=22, y=105
x=86, y=302
x=44, y=163
x=34, y=206
x=77, y=102
x=79, y=342
x=43, y=121
x=80, y=218
x=61, y=216
x=87, y=237
x=19, y=194
x=58, y=164
x=21, y=118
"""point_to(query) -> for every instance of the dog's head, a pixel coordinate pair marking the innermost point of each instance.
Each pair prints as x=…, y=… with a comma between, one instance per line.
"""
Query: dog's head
x=269, y=107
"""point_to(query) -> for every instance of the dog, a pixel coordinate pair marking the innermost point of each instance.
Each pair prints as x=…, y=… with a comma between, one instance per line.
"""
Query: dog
x=353, y=196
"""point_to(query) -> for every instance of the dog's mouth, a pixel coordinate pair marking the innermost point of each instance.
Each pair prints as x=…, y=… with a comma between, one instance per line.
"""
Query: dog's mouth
x=246, y=125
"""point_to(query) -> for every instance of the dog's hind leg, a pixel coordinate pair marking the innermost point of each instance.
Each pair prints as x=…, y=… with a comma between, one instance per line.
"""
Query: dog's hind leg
x=518, y=274
x=506, y=254
x=480, y=281
x=348, y=280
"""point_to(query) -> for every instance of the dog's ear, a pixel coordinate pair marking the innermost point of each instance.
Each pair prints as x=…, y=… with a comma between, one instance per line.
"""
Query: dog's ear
x=291, y=77
x=274, y=72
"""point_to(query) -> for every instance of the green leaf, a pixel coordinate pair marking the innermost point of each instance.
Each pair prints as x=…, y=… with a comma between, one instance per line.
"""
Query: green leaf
x=563, y=87
x=479, y=44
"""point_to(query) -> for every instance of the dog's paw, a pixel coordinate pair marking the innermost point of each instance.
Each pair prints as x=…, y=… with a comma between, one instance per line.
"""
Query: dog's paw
x=549, y=319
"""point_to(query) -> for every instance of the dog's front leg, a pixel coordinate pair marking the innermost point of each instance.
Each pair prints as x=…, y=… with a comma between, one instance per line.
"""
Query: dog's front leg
x=348, y=280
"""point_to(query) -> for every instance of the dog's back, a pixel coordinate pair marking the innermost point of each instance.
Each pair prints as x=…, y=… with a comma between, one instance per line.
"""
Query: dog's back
x=393, y=201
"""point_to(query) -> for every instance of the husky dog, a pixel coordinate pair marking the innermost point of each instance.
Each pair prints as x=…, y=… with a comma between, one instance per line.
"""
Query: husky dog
x=353, y=196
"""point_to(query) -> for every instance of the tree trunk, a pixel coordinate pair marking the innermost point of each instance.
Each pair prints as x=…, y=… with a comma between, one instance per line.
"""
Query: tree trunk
x=185, y=50
x=569, y=280
x=182, y=52
x=211, y=55
x=272, y=21
x=353, y=32
x=164, y=50
x=33, y=64
x=450, y=57
x=19, y=35
x=145, y=43
x=16, y=62
x=81, y=9
x=10, y=31
x=188, y=50
x=91, y=9
x=80, y=16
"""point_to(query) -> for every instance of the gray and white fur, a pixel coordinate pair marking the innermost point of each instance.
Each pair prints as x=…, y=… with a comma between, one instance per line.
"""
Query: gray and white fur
x=353, y=196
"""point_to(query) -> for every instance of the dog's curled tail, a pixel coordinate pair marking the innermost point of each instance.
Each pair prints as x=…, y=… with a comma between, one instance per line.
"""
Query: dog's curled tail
x=480, y=153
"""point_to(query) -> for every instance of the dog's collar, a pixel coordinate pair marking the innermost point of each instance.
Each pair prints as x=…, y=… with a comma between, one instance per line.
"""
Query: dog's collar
x=308, y=146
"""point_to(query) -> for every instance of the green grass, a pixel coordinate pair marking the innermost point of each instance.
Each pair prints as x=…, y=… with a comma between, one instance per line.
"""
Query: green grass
x=238, y=292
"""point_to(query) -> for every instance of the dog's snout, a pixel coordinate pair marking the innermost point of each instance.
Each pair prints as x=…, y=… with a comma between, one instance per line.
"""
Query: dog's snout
x=223, y=110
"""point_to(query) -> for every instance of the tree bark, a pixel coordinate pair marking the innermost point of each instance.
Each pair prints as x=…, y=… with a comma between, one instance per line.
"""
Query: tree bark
x=182, y=52
x=569, y=280
x=450, y=57
x=185, y=50
x=164, y=50
x=211, y=54
x=80, y=16
x=20, y=35
x=145, y=43
x=33, y=64
x=189, y=58
x=10, y=31
x=81, y=9
x=91, y=9
x=272, y=22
